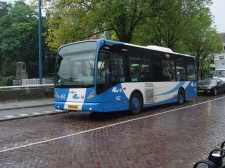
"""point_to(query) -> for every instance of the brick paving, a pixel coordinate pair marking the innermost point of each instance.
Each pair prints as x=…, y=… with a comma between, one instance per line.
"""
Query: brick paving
x=161, y=137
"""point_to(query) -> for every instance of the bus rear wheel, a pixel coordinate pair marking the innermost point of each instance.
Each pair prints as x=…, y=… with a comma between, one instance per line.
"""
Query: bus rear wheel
x=136, y=103
x=180, y=96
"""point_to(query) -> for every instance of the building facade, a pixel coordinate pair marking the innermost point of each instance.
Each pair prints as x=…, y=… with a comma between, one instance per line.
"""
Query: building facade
x=218, y=56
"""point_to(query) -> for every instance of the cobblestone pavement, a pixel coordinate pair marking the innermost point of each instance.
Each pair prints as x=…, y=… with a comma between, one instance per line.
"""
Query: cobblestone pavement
x=171, y=136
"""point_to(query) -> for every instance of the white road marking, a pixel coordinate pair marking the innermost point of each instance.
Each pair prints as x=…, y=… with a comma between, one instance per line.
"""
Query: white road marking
x=106, y=126
x=37, y=113
x=24, y=114
x=47, y=111
x=61, y=110
x=11, y=116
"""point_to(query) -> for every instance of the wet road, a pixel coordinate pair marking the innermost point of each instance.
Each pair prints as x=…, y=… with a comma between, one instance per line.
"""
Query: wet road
x=172, y=136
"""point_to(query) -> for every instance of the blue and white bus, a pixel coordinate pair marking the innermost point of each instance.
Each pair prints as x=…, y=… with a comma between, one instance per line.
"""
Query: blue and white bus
x=136, y=76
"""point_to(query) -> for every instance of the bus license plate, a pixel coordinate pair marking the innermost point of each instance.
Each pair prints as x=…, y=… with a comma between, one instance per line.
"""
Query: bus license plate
x=74, y=107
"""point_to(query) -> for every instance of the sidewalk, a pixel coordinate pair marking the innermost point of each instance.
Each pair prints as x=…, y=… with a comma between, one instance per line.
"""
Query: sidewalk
x=26, y=103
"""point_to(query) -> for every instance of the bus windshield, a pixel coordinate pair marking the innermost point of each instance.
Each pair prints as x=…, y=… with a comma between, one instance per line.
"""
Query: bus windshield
x=75, y=65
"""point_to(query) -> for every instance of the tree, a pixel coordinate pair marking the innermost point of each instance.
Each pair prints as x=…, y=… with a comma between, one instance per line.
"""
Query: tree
x=19, y=39
x=74, y=19
x=173, y=23
x=203, y=40
x=4, y=9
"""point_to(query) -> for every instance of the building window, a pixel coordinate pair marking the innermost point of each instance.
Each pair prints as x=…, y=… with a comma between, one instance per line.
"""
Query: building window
x=221, y=57
x=223, y=47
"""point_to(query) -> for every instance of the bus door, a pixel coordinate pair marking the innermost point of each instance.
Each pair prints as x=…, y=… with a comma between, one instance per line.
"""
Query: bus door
x=103, y=80
x=110, y=76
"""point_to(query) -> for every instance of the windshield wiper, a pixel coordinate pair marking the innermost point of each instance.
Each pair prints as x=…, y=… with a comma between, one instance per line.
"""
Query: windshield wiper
x=67, y=80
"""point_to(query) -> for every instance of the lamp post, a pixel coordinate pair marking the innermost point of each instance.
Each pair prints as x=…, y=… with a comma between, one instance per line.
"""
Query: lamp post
x=40, y=40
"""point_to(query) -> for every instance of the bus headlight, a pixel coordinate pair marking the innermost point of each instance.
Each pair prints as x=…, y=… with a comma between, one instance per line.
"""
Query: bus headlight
x=91, y=95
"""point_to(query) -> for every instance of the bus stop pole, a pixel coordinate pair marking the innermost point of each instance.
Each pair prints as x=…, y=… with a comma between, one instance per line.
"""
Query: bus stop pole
x=40, y=41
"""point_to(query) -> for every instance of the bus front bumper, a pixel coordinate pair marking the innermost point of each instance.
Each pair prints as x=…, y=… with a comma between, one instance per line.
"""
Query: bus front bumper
x=88, y=107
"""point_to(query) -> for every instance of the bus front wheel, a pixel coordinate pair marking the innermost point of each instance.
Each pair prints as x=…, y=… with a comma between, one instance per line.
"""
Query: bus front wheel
x=136, y=103
x=180, y=96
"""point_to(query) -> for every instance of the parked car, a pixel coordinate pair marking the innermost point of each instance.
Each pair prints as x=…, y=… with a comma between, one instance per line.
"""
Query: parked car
x=211, y=86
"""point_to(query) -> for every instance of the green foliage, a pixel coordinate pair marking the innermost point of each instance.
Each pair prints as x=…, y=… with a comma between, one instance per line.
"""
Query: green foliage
x=162, y=22
x=78, y=20
x=202, y=41
x=4, y=8
x=19, y=39
x=6, y=81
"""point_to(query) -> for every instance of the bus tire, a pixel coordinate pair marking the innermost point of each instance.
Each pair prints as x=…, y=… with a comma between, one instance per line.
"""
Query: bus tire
x=180, y=96
x=136, y=103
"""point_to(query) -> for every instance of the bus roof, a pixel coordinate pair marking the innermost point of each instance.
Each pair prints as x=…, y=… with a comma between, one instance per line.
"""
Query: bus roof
x=152, y=47
x=158, y=48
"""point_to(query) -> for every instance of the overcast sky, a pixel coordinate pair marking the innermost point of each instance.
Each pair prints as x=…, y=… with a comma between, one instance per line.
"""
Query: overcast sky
x=217, y=9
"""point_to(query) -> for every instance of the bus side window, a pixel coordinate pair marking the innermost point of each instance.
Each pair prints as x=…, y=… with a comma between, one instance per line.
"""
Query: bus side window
x=157, y=70
x=117, y=64
x=178, y=76
x=146, y=74
x=166, y=73
x=191, y=72
x=135, y=71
